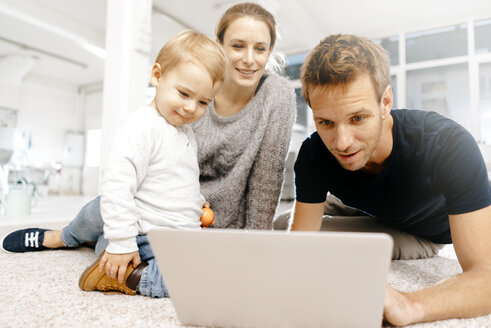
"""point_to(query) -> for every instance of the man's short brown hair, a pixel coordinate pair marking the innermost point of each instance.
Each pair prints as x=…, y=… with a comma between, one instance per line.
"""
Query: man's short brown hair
x=339, y=59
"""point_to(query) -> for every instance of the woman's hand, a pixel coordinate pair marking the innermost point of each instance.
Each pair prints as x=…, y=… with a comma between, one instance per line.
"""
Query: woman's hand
x=116, y=264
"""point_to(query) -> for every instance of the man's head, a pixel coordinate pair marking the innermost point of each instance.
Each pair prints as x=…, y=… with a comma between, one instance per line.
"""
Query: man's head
x=345, y=81
x=339, y=59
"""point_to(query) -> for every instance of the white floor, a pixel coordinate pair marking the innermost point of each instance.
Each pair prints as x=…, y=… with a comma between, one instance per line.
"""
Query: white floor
x=55, y=211
x=49, y=209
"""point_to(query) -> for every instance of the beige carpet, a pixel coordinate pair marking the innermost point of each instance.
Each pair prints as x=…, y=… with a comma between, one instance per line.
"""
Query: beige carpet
x=41, y=290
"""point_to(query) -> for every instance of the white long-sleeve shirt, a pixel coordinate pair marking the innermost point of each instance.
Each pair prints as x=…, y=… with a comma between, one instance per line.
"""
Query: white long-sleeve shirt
x=151, y=180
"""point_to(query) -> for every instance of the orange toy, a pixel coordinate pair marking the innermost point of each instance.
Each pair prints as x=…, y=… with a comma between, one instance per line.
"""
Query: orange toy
x=207, y=218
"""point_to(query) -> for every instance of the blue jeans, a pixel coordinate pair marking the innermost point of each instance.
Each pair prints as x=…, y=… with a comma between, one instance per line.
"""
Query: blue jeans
x=88, y=227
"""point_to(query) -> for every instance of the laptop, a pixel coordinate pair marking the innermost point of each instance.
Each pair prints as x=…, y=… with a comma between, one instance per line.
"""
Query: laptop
x=240, y=278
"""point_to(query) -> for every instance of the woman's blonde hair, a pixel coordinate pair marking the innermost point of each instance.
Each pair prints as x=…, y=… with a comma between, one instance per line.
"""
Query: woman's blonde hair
x=192, y=46
x=247, y=9
x=340, y=59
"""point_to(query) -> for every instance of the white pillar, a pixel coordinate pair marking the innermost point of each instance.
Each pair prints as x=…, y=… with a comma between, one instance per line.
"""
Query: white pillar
x=126, y=68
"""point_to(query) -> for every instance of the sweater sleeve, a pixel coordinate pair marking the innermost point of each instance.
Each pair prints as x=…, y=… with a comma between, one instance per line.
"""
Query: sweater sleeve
x=124, y=171
x=266, y=177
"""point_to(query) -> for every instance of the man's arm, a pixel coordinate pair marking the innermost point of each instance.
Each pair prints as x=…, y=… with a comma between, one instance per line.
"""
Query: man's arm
x=462, y=296
x=308, y=217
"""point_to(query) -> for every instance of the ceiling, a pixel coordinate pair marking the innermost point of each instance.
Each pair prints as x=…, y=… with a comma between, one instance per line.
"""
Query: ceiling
x=63, y=40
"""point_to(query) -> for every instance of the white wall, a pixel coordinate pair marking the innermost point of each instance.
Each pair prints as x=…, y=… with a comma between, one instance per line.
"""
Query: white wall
x=47, y=110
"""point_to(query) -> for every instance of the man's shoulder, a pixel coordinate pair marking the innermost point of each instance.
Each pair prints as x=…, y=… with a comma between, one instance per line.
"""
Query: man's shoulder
x=313, y=152
x=313, y=143
x=427, y=129
x=426, y=121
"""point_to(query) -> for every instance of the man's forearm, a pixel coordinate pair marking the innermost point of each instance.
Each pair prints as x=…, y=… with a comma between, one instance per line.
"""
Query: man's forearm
x=307, y=216
x=462, y=296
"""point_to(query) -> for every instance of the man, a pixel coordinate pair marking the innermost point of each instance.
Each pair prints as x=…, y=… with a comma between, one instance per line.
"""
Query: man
x=412, y=171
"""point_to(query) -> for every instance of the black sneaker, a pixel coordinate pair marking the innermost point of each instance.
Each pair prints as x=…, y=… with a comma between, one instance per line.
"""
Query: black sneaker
x=25, y=240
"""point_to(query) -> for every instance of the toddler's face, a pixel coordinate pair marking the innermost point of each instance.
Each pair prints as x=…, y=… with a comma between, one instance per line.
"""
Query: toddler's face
x=183, y=93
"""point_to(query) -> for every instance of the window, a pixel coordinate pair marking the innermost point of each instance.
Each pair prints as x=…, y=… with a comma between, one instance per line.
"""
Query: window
x=393, y=84
x=293, y=71
x=485, y=102
x=436, y=44
x=483, y=36
x=391, y=44
x=436, y=74
x=444, y=90
x=94, y=148
x=294, y=65
x=301, y=122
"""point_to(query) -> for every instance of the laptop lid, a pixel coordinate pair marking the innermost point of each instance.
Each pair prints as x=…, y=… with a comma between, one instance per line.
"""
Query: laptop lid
x=237, y=278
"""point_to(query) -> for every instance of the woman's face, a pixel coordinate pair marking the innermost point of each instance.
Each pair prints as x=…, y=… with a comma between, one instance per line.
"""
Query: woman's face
x=247, y=44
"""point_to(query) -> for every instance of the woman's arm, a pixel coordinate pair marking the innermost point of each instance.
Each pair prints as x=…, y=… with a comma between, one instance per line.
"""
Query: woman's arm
x=266, y=177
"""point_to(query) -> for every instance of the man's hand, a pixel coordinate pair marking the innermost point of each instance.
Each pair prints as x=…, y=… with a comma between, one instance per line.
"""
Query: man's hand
x=398, y=308
x=116, y=264
x=465, y=295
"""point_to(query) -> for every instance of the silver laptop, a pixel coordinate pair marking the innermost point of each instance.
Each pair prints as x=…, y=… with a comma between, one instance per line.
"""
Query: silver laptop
x=237, y=278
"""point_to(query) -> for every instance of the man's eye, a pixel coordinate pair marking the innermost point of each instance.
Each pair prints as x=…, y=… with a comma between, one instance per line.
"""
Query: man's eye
x=326, y=122
x=204, y=103
x=358, y=118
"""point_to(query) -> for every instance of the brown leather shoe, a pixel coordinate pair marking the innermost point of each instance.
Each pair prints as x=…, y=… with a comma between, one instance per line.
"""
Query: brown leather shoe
x=91, y=279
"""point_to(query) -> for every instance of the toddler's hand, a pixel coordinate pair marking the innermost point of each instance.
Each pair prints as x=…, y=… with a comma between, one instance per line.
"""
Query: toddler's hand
x=116, y=264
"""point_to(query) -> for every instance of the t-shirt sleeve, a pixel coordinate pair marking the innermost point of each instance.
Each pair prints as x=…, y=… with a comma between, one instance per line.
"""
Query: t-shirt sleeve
x=463, y=174
x=310, y=184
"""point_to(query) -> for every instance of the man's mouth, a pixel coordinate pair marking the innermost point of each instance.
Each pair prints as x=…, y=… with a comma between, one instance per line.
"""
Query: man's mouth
x=349, y=156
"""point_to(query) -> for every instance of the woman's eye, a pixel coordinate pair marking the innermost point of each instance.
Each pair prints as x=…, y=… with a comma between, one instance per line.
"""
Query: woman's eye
x=237, y=46
x=204, y=103
x=183, y=93
x=326, y=122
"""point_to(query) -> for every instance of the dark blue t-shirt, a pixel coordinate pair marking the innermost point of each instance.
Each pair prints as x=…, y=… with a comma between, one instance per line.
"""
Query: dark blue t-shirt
x=435, y=169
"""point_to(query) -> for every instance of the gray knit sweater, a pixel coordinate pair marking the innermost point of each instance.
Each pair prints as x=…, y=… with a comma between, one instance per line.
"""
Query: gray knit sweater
x=242, y=157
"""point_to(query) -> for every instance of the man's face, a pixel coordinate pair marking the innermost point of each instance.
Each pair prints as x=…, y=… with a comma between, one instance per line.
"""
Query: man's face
x=349, y=120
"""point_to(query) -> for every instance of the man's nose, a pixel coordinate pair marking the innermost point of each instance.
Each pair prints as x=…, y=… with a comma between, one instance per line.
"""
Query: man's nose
x=343, y=139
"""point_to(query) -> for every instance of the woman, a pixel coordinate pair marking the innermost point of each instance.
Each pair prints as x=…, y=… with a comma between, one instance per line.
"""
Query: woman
x=244, y=136
x=243, y=140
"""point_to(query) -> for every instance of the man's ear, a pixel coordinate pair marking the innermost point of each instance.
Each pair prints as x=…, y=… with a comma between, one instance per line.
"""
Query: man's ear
x=156, y=74
x=387, y=102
